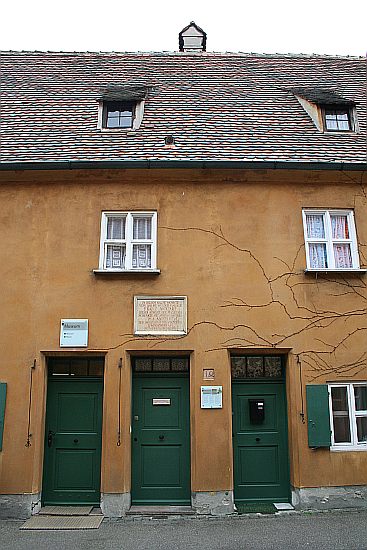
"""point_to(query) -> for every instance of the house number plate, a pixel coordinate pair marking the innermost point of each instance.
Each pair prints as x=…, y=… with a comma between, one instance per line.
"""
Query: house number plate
x=160, y=401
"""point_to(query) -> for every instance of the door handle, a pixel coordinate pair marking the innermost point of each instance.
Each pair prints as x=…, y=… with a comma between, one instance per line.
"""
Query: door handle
x=161, y=437
x=50, y=438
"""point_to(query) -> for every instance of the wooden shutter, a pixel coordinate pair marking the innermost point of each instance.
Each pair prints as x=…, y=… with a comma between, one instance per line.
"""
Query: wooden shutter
x=2, y=411
x=318, y=416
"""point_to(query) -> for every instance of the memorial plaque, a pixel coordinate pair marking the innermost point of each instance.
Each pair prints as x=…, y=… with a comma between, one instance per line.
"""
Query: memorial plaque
x=160, y=315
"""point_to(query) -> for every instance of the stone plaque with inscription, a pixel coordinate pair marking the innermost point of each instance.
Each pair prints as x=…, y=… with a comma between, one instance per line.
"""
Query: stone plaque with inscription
x=160, y=315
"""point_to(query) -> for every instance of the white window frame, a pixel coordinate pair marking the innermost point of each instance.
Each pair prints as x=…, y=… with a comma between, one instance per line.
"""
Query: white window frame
x=353, y=445
x=129, y=241
x=328, y=240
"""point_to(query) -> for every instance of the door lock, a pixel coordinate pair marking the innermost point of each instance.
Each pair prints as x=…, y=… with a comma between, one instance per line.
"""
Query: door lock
x=76, y=440
x=161, y=437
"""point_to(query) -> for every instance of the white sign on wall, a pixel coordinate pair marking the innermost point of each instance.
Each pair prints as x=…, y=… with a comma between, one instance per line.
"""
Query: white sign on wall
x=74, y=333
x=211, y=397
x=160, y=315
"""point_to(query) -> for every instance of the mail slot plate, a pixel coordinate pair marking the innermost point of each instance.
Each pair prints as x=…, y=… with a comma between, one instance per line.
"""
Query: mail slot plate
x=162, y=401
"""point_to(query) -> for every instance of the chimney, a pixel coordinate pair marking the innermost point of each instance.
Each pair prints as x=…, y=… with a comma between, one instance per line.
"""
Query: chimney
x=192, y=39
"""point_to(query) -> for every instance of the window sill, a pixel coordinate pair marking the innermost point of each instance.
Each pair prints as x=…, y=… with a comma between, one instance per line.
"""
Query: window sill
x=348, y=449
x=126, y=271
x=323, y=270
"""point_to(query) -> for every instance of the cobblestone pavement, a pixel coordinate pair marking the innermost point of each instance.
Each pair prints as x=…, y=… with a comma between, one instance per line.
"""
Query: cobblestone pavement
x=337, y=530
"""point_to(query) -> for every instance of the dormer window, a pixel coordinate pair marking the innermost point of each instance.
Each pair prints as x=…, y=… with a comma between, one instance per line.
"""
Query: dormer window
x=118, y=114
x=121, y=107
x=337, y=119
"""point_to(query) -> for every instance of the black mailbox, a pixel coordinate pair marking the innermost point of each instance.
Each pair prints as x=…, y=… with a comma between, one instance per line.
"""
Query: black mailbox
x=257, y=411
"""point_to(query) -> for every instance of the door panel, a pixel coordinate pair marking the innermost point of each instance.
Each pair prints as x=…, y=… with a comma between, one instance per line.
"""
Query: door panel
x=73, y=442
x=161, y=441
x=260, y=445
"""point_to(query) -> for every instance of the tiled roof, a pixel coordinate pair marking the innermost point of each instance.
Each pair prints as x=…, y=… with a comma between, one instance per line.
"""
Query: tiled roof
x=223, y=107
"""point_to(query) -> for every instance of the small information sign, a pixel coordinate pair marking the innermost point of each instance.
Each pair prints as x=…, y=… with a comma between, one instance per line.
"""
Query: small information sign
x=211, y=397
x=74, y=333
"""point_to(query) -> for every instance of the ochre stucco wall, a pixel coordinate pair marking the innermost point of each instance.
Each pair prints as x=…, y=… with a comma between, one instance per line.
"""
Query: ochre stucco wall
x=229, y=240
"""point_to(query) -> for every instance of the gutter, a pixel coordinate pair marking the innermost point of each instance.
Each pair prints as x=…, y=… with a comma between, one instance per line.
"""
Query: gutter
x=194, y=164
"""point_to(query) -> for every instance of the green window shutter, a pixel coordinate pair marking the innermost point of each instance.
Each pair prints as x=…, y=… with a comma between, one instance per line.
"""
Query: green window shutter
x=318, y=417
x=2, y=411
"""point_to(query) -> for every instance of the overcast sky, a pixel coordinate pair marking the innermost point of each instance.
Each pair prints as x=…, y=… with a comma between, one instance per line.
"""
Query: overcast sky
x=262, y=26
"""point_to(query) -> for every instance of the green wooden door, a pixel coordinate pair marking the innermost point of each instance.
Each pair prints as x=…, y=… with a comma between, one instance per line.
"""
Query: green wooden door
x=73, y=442
x=261, y=471
x=161, y=441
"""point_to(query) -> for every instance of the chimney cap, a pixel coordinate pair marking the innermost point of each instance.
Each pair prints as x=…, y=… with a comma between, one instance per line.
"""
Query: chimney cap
x=192, y=38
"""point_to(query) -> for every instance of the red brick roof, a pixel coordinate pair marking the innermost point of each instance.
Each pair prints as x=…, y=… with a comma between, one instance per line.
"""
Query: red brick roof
x=217, y=106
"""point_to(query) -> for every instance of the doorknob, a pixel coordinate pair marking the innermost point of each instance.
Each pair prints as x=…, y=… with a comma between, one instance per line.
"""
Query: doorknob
x=161, y=437
x=257, y=439
x=76, y=440
x=49, y=438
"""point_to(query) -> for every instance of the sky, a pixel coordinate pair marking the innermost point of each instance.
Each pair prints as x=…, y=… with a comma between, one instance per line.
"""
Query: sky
x=261, y=26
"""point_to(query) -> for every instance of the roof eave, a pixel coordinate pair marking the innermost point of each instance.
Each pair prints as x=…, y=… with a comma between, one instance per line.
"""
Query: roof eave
x=198, y=164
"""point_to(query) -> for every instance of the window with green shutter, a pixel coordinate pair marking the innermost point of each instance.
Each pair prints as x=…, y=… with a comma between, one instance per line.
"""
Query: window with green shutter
x=318, y=415
x=2, y=411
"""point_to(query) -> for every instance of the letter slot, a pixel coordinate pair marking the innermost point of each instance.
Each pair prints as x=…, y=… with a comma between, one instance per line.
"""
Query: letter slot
x=257, y=411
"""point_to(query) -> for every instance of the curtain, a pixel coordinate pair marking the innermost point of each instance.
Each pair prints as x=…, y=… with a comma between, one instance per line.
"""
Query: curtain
x=342, y=255
x=142, y=256
x=116, y=228
x=317, y=253
x=115, y=257
x=142, y=228
x=339, y=227
x=315, y=226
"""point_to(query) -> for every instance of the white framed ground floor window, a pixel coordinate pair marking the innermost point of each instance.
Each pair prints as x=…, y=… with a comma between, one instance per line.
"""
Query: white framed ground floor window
x=348, y=416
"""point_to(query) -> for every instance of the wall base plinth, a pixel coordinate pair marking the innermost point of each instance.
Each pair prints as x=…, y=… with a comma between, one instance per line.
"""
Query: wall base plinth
x=115, y=505
x=215, y=503
x=327, y=498
x=20, y=506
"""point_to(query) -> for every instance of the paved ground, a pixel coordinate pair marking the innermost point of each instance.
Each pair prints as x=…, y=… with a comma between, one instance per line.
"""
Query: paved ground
x=316, y=531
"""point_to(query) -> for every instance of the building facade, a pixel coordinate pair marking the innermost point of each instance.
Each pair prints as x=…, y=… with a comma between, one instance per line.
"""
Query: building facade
x=184, y=294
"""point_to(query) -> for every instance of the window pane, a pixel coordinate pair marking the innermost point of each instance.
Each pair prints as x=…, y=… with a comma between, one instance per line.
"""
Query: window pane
x=161, y=364
x=255, y=367
x=143, y=364
x=339, y=226
x=180, y=364
x=142, y=256
x=331, y=124
x=317, y=253
x=315, y=226
x=342, y=255
x=116, y=228
x=142, y=228
x=273, y=367
x=341, y=429
x=112, y=121
x=339, y=398
x=96, y=367
x=125, y=121
x=115, y=256
x=238, y=367
x=362, y=429
x=343, y=125
x=360, y=398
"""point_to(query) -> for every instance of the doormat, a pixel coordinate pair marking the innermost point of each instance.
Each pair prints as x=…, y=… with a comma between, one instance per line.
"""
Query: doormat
x=256, y=508
x=65, y=510
x=62, y=522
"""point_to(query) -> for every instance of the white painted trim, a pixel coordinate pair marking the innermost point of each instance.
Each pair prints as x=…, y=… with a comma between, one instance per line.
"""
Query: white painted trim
x=353, y=415
x=329, y=242
x=128, y=242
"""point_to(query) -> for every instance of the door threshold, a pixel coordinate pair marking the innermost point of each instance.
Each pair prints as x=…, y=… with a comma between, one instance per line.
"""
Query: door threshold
x=160, y=510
